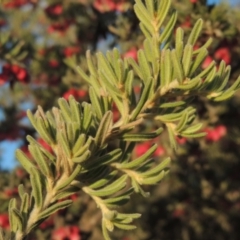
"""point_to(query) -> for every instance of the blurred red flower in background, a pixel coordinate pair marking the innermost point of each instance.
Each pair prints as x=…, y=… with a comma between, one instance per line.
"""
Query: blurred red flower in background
x=67, y=232
x=215, y=134
x=141, y=148
x=4, y=221
x=54, y=9
x=223, y=53
x=109, y=5
x=77, y=94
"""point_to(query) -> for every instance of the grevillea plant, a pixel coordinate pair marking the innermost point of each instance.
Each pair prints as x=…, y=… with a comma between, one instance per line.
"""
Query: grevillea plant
x=168, y=71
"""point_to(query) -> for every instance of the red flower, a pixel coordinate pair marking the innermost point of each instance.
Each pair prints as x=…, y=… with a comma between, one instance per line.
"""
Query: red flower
x=132, y=53
x=187, y=23
x=223, y=53
x=15, y=3
x=181, y=140
x=193, y=1
x=109, y=5
x=54, y=10
x=20, y=73
x=141, y=148
x=4, y=221
x=77, y=94
x=60, y=27
x=53, y=63
x=67, y=232
x=47, y=223
x=215, y=134
x=71, y=50
x=206, y=62
x=11, y=192
x=45, y=145
x=6, y=74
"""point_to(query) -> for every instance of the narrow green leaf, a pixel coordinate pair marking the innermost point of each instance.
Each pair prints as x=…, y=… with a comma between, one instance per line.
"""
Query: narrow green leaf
x=179, y=42
x=83, y=148
x=144, y=96
x=111, y=188
x=54, y=208
x=163, y=10
x=17, y=219
x=79, y=143
x=24, y=160
x=75, y=110
x=105, y=125
x=168, y=29
x=44, y=131
x=25, y=203
x=135, y=67
x=12, y=204
x=172, y=104
x=102, y=182
x=64, y=143
x=65, y=109
x=187, y=59
x=91, y=67
x=150, y=8
x=155, y=179
x=141, y=137
x=166, y=68
x=157, y=169
x=172, y=138
x=138, y=161
x=37, y=186
x=198, y=61
x=105, y=232
x=226, y=95
x=83, y=157
x=87, y=116
x=177, y=66
x=106, y=67
x=183, y=121
x=193, y=129
x=125, y=226
x=67, y=192
x=96, y=102
x=195, y=32
x=69, y=180
x=143, y=15
x=194, y=135
x=144, y=66
x=41, y=161
x=145, y=30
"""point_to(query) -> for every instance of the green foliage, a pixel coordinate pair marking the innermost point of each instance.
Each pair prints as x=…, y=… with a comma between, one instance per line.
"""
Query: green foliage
x=80, y=134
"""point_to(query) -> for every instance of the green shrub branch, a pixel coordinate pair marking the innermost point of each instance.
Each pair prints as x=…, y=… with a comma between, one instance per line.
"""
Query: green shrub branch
x=169, y=74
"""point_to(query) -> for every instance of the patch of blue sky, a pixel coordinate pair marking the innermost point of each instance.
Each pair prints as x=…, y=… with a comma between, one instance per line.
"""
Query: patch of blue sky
x=7, y=150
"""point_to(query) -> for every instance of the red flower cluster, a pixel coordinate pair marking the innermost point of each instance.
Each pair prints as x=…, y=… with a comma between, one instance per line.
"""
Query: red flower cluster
x=60, y=27
x=67, y=232
x=13, y=72
x=141, y=148
x=54, y=10
x=222, y=53
x=15, y=3
x=109, y=5
x=71, y=50
x=132, y=53
x=77, y=94
x=4, y=221
x=215, y=134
